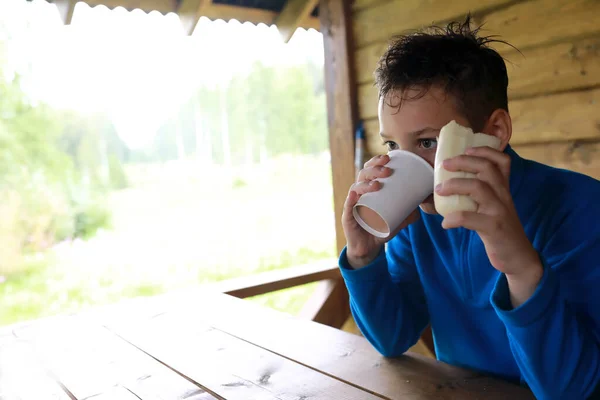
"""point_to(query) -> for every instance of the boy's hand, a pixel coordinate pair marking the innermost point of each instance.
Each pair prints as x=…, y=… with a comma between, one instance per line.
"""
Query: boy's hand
x=496, y=220
x=362, y=247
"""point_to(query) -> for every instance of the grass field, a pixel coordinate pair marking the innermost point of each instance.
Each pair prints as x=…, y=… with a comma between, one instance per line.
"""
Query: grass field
x=183, y=224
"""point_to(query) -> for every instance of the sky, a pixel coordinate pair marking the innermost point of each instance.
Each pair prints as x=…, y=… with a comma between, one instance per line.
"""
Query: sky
x=136, y=67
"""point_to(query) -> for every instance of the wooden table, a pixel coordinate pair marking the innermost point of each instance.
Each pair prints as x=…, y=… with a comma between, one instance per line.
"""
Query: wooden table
x=201, y=346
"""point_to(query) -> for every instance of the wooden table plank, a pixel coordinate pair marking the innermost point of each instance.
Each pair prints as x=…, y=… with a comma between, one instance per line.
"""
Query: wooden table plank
x=230, y=367
x=348, y=357
x=94, y=363
x=22, y=377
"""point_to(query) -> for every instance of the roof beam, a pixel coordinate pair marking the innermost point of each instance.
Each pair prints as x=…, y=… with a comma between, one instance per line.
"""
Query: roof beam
x=65, y=10
x=293, y=14
x=190, y=12
x=206, y=8
x=253, y=15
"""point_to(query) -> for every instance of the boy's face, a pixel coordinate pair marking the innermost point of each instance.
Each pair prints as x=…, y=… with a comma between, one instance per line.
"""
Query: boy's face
x=415, y=126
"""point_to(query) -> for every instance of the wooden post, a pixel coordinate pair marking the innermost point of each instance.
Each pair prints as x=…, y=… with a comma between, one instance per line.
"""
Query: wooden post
x=342, y=106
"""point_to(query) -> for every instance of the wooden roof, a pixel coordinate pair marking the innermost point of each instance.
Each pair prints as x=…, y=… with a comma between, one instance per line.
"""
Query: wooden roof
x=286, y=14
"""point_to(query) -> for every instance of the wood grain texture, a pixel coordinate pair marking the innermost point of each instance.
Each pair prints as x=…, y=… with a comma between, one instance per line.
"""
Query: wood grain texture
x=381, y=21
x=231, y=367
x=362, y=4
x=345, y=356
x=368, y=100
x=574, y=155
x=341, y=101
x=557, y=117
x=527, y=24
x=91, y=361
x=582, y=157
x=329, y=304
x=559, y=67
x=546, y=69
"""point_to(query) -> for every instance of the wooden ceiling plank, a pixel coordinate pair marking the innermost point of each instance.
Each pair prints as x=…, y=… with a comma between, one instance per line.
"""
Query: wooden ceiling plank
x=190, y=12
x=293, y=13
x=65, y=10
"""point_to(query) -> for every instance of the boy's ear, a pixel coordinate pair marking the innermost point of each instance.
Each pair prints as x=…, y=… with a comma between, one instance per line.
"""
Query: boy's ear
x=499, y=124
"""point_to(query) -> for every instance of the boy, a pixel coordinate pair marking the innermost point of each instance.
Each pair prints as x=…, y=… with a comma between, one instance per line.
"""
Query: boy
x=512, y=289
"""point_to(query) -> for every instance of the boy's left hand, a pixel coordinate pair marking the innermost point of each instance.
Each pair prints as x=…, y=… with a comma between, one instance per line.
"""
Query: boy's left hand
x=496, y=220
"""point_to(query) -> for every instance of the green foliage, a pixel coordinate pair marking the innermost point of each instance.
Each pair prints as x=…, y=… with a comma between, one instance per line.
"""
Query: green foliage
x=54, y=174
x=116, y=172
x=238, y=183
x=90, y=218
x=272, y=110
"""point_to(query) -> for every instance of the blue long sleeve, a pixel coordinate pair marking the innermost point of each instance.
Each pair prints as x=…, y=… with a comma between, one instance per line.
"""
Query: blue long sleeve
x=387, y=299
x=555, y=336
x=444, y=277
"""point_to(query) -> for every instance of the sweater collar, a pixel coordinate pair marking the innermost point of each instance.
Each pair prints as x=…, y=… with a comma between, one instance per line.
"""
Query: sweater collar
x=517, y=166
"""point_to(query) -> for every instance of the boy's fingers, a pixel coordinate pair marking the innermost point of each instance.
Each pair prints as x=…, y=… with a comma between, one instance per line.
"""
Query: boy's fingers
x=365, y=187
x=500, y=159
x=478, y=190
x=469, y=220
x=370, y=173
x=357, y=190
x=377, y=160
x=351, y=201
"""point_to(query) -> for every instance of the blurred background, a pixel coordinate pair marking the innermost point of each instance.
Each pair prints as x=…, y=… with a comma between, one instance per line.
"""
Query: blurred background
x=135, y=160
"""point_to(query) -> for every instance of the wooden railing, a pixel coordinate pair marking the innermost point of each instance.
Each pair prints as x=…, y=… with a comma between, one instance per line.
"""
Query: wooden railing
x=328, y=305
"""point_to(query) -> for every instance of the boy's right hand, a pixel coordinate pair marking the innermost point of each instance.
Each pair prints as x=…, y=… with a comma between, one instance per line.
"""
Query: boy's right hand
x=362, y=247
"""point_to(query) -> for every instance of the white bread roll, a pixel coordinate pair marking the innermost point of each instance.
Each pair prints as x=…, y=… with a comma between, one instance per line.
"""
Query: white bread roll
x=453, y=140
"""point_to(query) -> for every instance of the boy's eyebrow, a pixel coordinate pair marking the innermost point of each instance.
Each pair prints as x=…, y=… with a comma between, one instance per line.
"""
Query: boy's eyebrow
x=414, y=133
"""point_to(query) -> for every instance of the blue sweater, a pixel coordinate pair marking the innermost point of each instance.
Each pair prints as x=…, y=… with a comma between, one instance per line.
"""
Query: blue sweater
x=430, y=275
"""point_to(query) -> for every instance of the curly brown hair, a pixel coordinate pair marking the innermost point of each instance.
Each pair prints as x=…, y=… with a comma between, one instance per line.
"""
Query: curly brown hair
x=454, y=57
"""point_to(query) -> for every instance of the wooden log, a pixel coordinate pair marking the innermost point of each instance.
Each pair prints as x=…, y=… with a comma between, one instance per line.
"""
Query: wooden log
x=341, y=102
x=384, y=20
x=559, y=67
x=540, y=70
x=368, y=100
x=579, y=156
x=91, y=361
x=362, y=4
x=582, y=157
x=559, y=117
x=553, y=118
x=524, y=24
x=527, y=24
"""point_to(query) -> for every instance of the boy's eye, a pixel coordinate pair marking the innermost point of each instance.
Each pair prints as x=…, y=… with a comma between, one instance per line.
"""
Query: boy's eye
x=428, y=143
x=391, y=145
